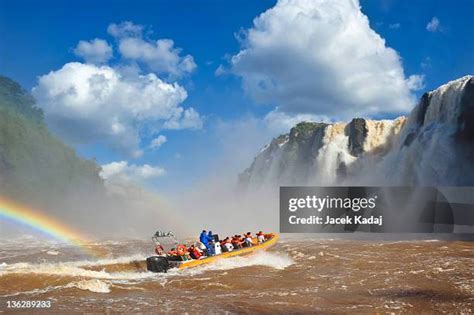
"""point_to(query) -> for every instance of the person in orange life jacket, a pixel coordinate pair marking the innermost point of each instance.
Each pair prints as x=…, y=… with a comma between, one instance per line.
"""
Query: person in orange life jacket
x=194, y=252
x=260, y=237
x=223, y=242
x=227, y=244
x=236, y=241
x=182, y=252
x=241, y=239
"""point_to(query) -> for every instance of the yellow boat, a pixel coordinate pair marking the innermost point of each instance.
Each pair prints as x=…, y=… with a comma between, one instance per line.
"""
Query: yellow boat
x=161, y=263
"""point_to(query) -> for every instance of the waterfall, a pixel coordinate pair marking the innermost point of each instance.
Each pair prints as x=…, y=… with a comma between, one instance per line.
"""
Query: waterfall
x=433, y=146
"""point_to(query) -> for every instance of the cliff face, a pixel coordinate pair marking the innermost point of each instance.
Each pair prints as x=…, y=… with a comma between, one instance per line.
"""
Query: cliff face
x=433, y=146
x=35, y=166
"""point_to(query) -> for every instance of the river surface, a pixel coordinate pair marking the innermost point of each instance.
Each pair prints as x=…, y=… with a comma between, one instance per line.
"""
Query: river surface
x=296, y=276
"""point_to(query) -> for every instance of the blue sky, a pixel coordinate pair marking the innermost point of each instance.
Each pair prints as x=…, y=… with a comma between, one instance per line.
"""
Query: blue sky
x=39, y=37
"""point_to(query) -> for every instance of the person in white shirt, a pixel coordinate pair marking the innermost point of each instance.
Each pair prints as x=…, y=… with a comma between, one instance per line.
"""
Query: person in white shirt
x=248, y=239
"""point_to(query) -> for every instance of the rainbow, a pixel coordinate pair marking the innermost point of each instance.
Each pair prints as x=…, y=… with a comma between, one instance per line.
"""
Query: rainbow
x=39, y=222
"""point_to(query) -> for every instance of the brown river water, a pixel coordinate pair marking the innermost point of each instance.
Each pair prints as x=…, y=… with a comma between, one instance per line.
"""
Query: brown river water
x=296, y=276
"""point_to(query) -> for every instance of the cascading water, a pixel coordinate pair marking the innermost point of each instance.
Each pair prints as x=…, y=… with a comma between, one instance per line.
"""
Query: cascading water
x=433, y=146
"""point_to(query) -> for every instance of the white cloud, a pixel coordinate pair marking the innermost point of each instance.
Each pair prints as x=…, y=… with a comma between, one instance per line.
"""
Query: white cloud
x=89, y=103
x=184, y=119
x=158, y=142
x=220, y=71
x=94, y=51
x=394, y=26
x=433, y=25
x=416, y=82
x=125, y=29
x=321, y=58
x=160, y=56
x=122, y=172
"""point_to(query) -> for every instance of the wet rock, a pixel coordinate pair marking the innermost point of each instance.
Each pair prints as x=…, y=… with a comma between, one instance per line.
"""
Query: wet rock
x=422, y=107
x=357, y=132
x=465, y=130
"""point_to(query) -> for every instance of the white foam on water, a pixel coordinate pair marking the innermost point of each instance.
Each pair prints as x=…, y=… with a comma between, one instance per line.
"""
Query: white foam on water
x=52, y=252
x=75, y=269
x=35, y=291
x=93, y=285
x=89, y=263
x=64, y=269
x=274, y=260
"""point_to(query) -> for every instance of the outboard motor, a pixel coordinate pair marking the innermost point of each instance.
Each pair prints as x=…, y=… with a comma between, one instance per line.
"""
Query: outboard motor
x=157, y=264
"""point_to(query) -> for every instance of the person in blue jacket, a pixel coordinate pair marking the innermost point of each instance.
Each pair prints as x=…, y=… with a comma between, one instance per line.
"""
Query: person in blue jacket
x=211, y=243
x=204, y=238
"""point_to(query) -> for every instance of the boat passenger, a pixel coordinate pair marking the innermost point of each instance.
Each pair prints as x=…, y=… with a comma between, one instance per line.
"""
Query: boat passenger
x=173, y=252
x=211, y=243
x=248, y=239
x=236, y=242
x=260, y=237
x=210, y=235
x=202, y=248
x=242, y=240
x=159, y=250
x=228, y=244
x=182, y=252
x=194, y=252
x=204, y=238
x=223, y=242
x=191, y=251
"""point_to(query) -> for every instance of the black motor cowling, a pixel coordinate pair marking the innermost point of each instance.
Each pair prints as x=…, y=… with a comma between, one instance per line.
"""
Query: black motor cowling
x=157, y=264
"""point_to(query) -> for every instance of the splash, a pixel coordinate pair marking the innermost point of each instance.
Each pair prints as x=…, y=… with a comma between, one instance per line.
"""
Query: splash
x=79, y=269
x=93, y=285
x=278, y=261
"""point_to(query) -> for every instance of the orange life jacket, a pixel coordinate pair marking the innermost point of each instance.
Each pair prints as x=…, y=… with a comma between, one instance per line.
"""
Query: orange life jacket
x=196, y=253
x=181, y=249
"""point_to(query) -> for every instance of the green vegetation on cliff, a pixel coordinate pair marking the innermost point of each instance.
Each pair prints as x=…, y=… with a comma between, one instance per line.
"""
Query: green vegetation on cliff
x=35, y=165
